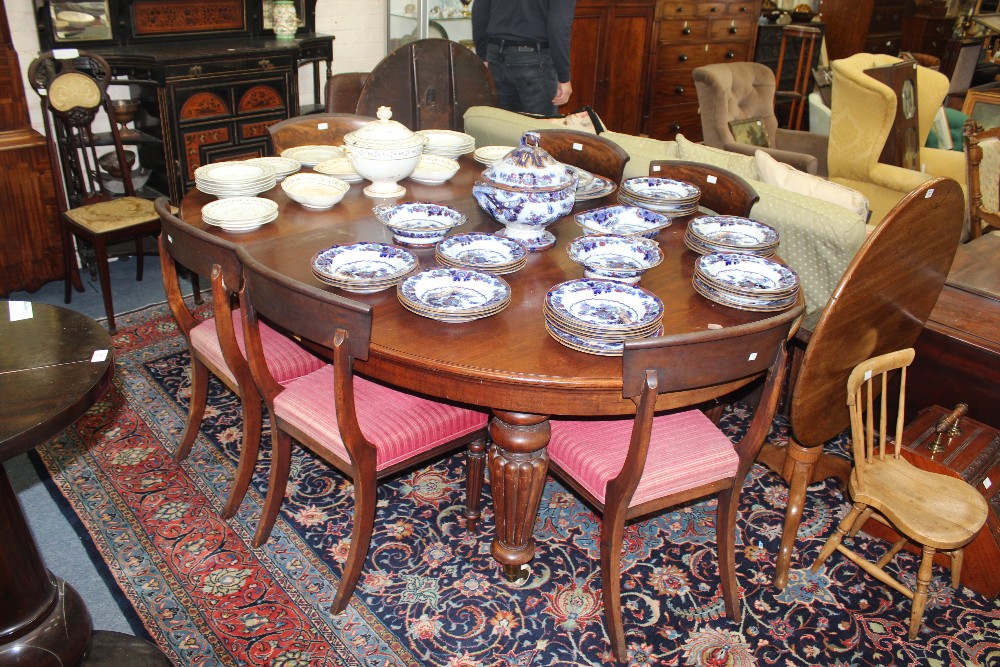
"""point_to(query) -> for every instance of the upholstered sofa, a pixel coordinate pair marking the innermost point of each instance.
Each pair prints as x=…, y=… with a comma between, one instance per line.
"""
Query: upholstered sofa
x=818, y=238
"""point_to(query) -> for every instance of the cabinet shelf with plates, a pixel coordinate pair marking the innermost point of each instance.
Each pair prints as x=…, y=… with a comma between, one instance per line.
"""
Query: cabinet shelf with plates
x=410, y=20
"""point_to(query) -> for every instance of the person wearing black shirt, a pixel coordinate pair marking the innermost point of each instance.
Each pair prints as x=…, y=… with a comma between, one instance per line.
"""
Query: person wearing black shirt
x=525, y=45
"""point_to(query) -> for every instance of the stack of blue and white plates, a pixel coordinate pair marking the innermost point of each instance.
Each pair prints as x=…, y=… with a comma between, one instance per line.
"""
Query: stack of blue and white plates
x=598, y=316
x=663, y=195
x=746, y=282
x=454, y=295
x=363, y=267
x=481, y=252
x=730, y=233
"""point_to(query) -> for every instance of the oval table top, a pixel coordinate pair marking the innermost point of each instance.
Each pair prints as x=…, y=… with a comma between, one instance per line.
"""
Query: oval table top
x=507, y=361
x=54, y=364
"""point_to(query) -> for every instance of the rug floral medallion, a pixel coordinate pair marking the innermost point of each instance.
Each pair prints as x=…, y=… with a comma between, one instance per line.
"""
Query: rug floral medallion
x=431, y=594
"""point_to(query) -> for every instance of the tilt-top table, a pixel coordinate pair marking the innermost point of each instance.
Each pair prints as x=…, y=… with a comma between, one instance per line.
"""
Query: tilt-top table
x=54, y=364
x=506, y=362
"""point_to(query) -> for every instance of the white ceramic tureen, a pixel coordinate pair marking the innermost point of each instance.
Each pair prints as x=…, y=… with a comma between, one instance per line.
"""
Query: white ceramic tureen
x=384, y=152
x=527, y=190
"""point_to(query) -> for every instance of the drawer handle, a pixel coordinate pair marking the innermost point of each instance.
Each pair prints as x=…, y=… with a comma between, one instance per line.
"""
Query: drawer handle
x=676, y=127
x=265, y=64
x=680, y=10
x=195, y=70
x=683, y=57
x=743, y=9
x=713, y=10
x=679, y=89
x=732, y=28
x=685, y=30
x=730, y=55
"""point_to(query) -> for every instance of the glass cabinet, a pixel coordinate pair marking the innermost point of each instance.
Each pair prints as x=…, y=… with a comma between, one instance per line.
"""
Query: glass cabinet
x=410, y=20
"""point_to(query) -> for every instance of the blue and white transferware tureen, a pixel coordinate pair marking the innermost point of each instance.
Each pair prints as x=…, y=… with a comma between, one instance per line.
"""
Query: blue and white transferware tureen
x=526, y=191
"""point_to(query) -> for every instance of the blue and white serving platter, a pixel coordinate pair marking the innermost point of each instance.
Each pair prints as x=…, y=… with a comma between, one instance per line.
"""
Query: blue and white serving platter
x=481, y=252
x=454, y=295
x=620, y=258
x=747, y=275
x=622, y=221
x=602, y=307
x=363, y=267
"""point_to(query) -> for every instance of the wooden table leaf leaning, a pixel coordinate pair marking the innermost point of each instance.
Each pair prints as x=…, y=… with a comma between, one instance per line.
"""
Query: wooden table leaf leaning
x=54, y=364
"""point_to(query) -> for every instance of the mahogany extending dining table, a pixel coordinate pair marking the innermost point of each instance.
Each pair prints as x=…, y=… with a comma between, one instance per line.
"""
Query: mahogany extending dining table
x=507, y=363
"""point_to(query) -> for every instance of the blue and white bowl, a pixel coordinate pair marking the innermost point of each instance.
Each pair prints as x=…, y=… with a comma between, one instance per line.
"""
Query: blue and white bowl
x=417, y=224
x=363, y=267
x=729, y=233
x=620, y=258
x=622, y=220
x=747, y=275
x=454, y=295
x=481, y=252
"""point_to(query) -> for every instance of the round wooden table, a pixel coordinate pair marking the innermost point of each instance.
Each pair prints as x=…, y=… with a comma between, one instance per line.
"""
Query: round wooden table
x=54, y=364
x=507, y=362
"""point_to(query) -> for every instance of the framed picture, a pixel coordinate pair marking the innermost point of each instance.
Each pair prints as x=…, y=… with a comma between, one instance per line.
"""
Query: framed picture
x=984, y=108
x=750, y=131
x=80, y=21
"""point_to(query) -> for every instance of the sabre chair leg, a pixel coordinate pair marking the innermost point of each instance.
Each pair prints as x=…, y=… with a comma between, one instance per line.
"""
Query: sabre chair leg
x=475, y=473
x=72, y=273
x=834, y=540
x=249, y=451
x=612, y=536
x=196, y=408
x=920, y=594
x=361, y=538
x=725, y=536
x=281, y=463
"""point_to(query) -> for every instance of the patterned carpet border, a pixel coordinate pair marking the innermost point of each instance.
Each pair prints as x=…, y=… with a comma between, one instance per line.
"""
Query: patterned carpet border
x=431, y=594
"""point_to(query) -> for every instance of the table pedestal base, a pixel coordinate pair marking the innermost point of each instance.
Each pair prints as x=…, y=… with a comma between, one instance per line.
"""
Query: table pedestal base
x=518, y=465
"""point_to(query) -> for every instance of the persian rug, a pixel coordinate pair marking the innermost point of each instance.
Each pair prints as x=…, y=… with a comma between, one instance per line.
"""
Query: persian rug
x=431, y=594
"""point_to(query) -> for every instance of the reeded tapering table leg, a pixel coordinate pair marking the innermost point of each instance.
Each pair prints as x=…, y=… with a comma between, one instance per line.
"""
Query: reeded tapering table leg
x=800, y=464
x=518, y=464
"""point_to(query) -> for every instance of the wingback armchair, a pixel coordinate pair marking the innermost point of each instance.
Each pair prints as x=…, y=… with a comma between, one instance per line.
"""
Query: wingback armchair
x=862, y=114
x=740, y=91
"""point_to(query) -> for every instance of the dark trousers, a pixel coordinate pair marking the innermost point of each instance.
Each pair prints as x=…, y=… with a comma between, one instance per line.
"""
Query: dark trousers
x=526, y=81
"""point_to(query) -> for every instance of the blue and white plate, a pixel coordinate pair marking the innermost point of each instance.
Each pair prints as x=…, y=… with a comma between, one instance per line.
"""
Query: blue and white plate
x=747, y=274
x=622, y=221
x=702, y=248
x=660, y=190
x=363, y=267
x=597, y=188
x=605, y=348
x=734, y=232
x=620, y=258
x=454, y=295
x=603, y=305
x=482, y=252
x=741, y=302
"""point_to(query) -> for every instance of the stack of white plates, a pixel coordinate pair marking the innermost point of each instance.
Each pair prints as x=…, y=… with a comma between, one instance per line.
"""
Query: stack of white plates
x=482, y=252
x=448, y=142
x=746, y=282
x=283, y=166
x=490, y=154
x=591, y=186
x=339, y=167
x=239, y=214
x=310, y=156
x=363, y=267
x=598, y=316
x=663, y=195
x=730, y=233
x=454, y=295
x=434, y=169
x=235, y=179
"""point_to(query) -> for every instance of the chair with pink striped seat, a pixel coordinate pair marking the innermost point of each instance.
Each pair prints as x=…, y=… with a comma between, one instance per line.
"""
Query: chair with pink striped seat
x=216, y=344
x=628, y=468
x=365, y=429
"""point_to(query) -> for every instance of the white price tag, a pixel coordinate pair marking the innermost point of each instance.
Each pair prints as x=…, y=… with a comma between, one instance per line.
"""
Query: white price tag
x=577, y=147
x=868, y=375
x=713, y=179
x=987, y=483
x=20, y=310
x=929, y=193
x=99, y=355
x=753, y=355
x=323, y=126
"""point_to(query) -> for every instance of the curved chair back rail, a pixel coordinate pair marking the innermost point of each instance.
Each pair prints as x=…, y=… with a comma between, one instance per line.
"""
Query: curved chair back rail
x=722, y=191
x=343, y=91
x=428, y=84
x=587, y=151
x=326, y=129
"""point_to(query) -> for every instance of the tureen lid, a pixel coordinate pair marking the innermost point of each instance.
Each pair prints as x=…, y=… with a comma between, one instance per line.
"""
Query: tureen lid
x=529, y=167
x=384, y=133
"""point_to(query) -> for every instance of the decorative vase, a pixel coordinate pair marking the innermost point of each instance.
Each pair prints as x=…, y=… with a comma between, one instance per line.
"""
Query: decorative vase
x=284, y=19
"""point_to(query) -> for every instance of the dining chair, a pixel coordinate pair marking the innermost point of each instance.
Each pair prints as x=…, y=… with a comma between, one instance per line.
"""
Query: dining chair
x=880, y=305
x=982, y=168
x=722, y=191
x=365, y=429
x=590, y=152
x=343, y=90
x=324, y=129
x=936, y=512
x=216, y=344
x=627, y=468
x=73, y=87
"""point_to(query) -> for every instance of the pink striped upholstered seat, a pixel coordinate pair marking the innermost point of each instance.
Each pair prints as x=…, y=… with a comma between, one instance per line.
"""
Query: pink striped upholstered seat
x=286, y=359
x=686, y=450
x=400, y=425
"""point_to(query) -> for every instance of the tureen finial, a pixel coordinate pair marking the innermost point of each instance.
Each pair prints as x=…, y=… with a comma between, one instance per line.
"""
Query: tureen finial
x=383, y=113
